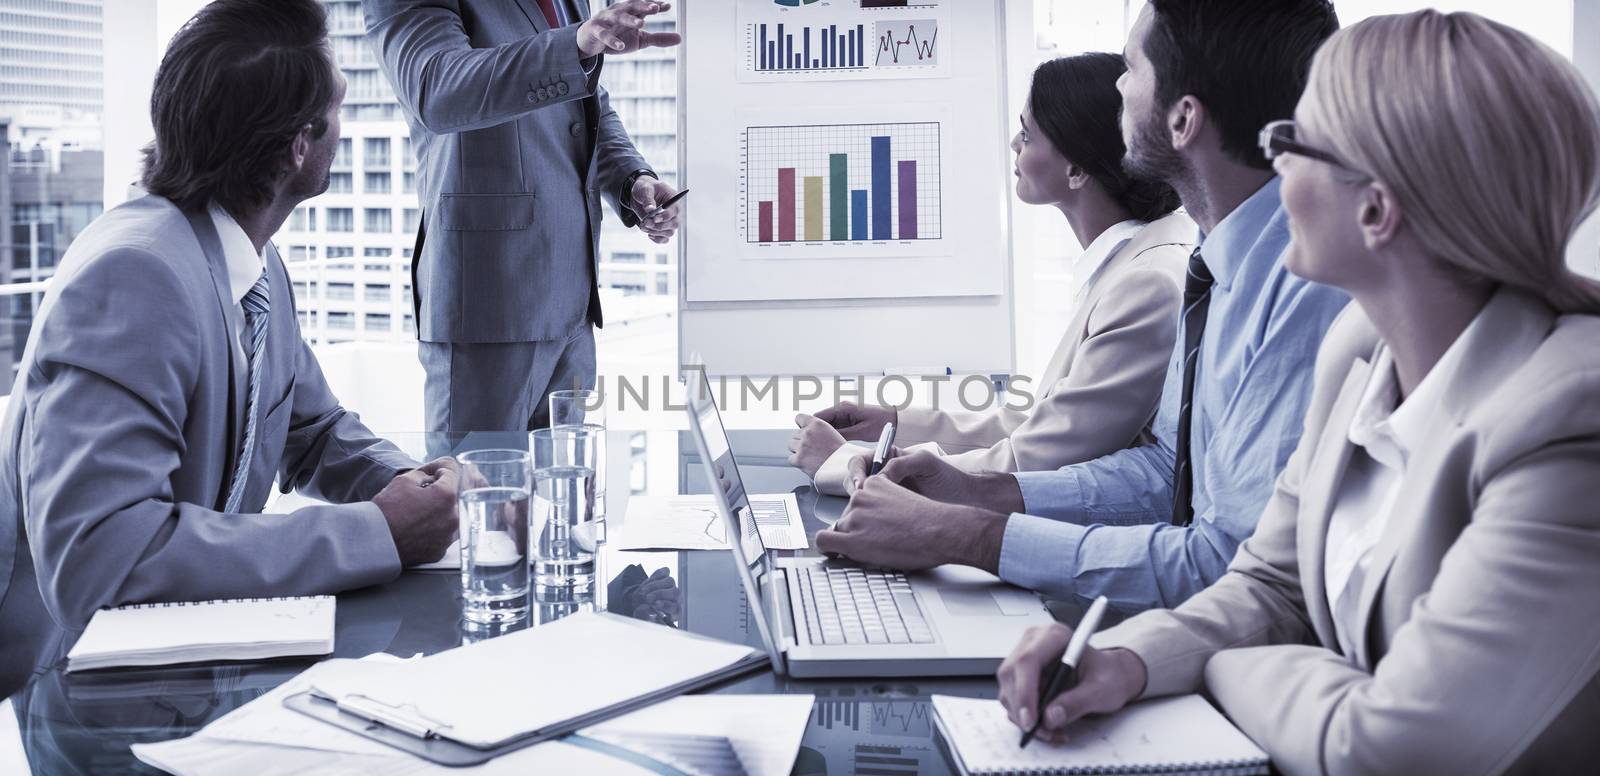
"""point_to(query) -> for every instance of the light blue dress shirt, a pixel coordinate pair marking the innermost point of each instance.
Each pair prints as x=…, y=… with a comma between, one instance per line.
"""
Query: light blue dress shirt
x=1103, y=527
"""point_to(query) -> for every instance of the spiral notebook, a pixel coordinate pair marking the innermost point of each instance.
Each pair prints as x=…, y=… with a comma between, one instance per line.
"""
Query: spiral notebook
x=1167, y=735
x=205, y=631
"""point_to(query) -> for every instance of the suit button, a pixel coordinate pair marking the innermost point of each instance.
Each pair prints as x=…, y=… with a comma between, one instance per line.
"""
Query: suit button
x=532, y=97
x=544, y=94
x=576, y=129
x=562, y=89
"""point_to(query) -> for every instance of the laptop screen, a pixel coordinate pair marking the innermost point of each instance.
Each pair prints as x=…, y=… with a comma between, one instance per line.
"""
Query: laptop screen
x=726, y=469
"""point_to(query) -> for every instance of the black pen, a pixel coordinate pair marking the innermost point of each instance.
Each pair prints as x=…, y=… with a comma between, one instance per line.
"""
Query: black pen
x=881, y=455
x=1066, y=671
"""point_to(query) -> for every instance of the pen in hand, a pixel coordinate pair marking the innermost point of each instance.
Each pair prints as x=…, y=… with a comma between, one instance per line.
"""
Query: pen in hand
x=880, y=456
x=1064, y=674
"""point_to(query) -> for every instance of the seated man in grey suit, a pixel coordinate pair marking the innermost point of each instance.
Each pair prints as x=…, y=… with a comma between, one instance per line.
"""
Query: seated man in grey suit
x=165, y=384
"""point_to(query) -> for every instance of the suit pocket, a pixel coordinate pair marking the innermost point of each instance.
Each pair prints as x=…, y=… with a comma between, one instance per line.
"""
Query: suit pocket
x=485, y=212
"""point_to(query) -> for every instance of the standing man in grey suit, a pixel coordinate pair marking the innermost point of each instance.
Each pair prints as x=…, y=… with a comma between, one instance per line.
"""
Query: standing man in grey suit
x=516, y=144
x=165, y=384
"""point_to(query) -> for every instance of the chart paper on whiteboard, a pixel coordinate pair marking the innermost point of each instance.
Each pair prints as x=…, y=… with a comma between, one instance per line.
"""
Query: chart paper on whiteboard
x=843, y=191
x=842, y=40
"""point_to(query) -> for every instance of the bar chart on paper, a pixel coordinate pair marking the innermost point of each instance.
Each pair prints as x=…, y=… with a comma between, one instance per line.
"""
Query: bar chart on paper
x=842, y=183
x=835, y=41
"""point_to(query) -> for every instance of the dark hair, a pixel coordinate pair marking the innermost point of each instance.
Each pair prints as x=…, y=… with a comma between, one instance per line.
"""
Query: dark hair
x=1246, y=60
x=238, y=82
x=1075, y=104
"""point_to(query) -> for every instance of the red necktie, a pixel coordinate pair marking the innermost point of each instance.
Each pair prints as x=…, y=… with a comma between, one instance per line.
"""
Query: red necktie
x=549, y=8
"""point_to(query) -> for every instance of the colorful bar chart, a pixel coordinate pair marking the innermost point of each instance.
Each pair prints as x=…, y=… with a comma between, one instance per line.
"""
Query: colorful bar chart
x=829, y=47
x=842, y=183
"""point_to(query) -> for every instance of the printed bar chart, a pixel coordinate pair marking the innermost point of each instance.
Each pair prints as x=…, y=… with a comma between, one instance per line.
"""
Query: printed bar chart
x=840, y=183
x=819, y=47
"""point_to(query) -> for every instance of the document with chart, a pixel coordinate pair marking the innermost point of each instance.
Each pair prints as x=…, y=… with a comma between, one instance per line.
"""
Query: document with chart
x=692, y=523
x=841, y=40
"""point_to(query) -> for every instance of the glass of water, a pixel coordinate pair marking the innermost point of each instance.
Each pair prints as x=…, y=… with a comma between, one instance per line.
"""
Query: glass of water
x=495, y=492
x=586, y=409
x=564, y=529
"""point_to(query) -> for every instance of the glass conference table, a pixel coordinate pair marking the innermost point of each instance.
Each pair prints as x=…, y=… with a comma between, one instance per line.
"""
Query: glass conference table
x=84, y=722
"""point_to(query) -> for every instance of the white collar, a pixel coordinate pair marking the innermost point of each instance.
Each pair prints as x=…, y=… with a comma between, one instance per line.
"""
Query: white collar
x=1389, y=431
x=1102, y=248
x=245, y=263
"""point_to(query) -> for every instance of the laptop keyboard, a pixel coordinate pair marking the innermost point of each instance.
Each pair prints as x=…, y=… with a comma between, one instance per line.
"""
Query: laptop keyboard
x=860, y=606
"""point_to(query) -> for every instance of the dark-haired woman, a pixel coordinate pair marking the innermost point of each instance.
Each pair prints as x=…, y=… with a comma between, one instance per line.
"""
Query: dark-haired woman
x=1100, y=389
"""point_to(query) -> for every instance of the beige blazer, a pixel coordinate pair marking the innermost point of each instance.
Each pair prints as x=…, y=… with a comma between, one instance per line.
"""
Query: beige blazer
x=1100, y=389
x=1482, y=604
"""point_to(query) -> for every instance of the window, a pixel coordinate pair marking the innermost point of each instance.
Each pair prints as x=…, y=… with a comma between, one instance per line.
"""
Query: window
x=341, y=219
x=297, y=220
x=376, y=183
x=410, y=182
x=341, y=291
x=628, y=257
x=342, y=156
x=340, y=183
x=379, y=220
x=340, y=251
x=376, y=292
x=341, y=320
x=408, y=326
x=661, y=285
x=376, y=156
x=376, y=252
x=412, y=220
x=377, y=322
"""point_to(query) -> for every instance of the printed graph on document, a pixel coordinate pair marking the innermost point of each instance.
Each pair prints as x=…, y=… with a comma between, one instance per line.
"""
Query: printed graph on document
x=842, y=183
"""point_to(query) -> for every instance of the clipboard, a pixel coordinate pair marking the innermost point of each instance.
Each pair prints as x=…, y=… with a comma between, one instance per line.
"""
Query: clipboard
x=406, y=729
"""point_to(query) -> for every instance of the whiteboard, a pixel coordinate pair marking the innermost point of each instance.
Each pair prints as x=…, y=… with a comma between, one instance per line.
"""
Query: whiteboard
x=850, y=209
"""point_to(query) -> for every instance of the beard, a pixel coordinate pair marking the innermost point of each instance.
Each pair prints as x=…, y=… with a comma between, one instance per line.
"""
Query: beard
x=1150, y=155
x=315, y=175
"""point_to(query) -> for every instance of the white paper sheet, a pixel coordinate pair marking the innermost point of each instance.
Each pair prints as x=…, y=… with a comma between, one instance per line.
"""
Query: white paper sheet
x=692, y=523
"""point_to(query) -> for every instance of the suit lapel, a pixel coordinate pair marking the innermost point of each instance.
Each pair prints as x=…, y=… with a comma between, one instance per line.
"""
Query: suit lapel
x=1317, y=491
x=530, y=9
x=233, y=321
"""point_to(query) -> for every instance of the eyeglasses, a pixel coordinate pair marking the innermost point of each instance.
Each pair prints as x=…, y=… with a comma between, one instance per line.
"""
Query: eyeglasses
x=1278, y=138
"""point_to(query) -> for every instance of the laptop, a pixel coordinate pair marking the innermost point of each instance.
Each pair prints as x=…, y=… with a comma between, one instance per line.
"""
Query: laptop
x=825, y=618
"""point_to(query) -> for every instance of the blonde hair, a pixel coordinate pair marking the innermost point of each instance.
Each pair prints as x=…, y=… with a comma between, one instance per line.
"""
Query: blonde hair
x=1489, y=139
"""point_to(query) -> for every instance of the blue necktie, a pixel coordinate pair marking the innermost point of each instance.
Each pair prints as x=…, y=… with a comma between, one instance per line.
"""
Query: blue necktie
x=256, y=305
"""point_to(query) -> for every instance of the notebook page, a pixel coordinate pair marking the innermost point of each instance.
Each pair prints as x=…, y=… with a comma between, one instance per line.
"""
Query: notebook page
x=207, y=630
x=1165, y=733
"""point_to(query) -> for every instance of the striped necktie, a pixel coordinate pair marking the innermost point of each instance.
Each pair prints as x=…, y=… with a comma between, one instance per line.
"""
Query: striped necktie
x=1196, y=303
x=255, y=305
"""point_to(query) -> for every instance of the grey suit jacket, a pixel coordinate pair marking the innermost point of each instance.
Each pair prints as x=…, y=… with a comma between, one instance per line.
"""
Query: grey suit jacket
x=125, y=425
x=515, y=145
x=1482, y=618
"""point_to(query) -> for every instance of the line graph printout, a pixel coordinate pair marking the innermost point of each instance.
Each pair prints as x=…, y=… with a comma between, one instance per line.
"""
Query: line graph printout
x=834, y=40
x=844, y=186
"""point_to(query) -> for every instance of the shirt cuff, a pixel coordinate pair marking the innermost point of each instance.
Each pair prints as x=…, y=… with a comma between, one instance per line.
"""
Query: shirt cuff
x=834, y=472
x=1040, y=554
x=1056, y=494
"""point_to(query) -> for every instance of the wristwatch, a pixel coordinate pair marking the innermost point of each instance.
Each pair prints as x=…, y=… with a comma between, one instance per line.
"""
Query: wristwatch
x=629, y=215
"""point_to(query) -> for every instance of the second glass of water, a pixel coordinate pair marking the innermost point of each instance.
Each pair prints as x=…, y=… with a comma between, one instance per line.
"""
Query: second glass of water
x=564, y=529
x=495, y=491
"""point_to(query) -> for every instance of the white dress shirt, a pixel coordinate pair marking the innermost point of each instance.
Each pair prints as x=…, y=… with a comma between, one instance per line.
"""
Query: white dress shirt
x=1384, y=432
x=245, y=265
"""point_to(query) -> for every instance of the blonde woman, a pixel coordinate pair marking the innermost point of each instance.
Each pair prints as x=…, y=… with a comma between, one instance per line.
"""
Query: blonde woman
x=1100, y=389
x=1422, y=594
